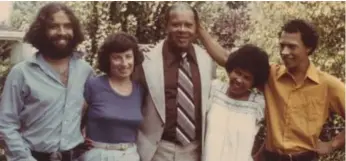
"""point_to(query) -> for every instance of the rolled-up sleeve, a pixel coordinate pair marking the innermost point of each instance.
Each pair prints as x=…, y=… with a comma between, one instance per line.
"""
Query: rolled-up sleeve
x=11, y=105
x=337, y=96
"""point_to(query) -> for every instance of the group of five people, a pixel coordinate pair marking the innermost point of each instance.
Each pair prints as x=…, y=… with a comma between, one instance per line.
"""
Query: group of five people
x=164, y=105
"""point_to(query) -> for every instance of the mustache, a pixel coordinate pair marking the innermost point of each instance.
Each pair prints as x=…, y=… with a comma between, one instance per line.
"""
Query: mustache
x=286, y=55
x=58, y=37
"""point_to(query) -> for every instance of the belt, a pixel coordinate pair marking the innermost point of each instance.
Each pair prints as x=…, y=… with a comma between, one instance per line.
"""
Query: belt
x=117, y=146
x=61, y=156
x=304, y=156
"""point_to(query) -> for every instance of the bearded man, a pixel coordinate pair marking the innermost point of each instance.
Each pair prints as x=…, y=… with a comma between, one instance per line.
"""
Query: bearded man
x=42, y=100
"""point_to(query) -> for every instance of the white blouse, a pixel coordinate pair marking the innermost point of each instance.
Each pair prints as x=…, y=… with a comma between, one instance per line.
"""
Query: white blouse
x=231, y=125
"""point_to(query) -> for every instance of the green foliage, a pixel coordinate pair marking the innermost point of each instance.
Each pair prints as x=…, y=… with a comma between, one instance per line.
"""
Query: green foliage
x=24, y=12
x=5, y=64
x=230, y=24
x=142, y=19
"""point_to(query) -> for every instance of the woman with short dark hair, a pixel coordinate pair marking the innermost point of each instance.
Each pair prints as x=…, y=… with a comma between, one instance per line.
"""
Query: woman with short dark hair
x=114, y=102
x=235, y=108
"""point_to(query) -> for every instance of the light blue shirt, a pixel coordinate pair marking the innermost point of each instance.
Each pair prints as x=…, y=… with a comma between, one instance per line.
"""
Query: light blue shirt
x=38, y=112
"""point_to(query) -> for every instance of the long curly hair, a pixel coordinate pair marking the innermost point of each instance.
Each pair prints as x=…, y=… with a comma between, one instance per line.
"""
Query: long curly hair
x=36, y=35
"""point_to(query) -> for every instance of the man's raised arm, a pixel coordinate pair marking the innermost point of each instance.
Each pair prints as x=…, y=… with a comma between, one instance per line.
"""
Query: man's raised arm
x=214, y=49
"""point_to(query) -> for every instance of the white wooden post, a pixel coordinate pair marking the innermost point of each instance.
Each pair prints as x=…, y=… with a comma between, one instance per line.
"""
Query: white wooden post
x=21, y=51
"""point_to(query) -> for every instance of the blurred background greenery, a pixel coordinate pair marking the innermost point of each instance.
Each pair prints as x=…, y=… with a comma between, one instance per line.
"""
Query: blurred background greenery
x=231, y=23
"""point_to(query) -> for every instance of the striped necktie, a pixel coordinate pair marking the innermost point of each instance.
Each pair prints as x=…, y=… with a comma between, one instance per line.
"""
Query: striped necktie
x=186, y=121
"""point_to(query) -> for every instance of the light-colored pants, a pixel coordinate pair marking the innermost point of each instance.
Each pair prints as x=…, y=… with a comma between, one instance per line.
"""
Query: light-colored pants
x=99, y=154
x=168, y=151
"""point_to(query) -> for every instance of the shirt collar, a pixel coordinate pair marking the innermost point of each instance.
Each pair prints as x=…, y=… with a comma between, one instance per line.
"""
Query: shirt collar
x=190, y=54
x=311, y=73
x=38, y=59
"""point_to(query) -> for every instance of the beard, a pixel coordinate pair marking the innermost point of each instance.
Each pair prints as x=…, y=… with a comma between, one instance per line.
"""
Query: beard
x=56, y=52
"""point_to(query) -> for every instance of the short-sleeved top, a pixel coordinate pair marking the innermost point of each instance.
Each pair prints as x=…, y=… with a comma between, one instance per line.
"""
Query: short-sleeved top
x=232, y=124
x=112, y=118
x=295, y=114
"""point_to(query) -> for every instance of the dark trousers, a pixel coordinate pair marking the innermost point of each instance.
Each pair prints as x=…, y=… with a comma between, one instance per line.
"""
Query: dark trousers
x=58, y=156
x=305, y=156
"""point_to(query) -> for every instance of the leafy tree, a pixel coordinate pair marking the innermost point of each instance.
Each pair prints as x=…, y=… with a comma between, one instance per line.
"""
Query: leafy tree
x=23, y=13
